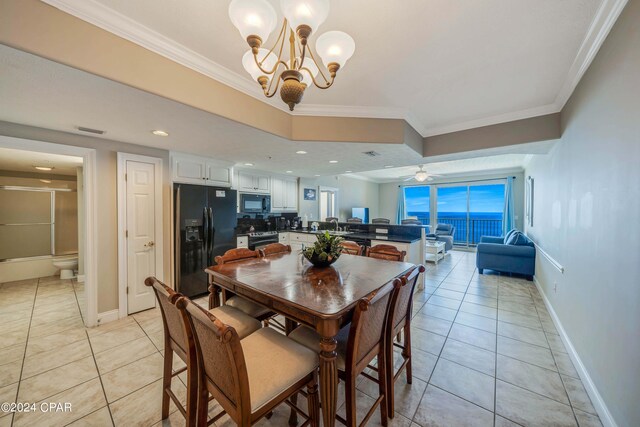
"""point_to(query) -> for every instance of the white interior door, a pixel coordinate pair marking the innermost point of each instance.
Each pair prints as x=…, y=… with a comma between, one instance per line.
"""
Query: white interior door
x=141, y=238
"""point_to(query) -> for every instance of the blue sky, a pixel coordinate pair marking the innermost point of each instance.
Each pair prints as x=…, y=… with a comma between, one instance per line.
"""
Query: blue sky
x=483, y=198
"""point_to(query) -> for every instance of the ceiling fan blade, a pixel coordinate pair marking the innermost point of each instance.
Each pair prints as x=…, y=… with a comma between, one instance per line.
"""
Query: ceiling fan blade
x=434, y=174
x=409, y=179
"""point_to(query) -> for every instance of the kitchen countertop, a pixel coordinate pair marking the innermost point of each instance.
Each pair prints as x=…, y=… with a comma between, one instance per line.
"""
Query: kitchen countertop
x=355, y=234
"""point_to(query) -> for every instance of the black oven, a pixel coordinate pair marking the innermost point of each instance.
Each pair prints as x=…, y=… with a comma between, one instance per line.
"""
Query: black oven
x=261, y=239
x=255, y=203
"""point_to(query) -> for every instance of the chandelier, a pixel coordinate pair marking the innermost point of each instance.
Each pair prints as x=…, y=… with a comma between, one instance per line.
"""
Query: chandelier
x=290, y=65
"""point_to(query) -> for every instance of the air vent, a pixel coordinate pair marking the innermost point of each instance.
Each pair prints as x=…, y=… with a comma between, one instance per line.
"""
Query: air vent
x=89, y=130
x=371, y=153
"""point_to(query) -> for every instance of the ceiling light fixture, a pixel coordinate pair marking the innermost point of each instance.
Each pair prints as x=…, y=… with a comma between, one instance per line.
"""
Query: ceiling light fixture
x=248, y=164
x=348, y=171
x=333, y=161
x=389, y=166
x=256, y=19
x=44, y=168
x=158, y=132
x=301, y=152
x=316, y=175
x=289, y=171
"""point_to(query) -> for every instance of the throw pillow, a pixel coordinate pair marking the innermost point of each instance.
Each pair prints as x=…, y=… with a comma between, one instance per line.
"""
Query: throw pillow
x=508, y=235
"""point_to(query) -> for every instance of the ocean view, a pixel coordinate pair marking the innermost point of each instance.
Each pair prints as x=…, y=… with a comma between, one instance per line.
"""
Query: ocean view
x=479, y=224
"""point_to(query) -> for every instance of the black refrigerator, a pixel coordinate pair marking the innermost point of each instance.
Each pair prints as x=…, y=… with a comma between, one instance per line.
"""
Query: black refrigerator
x=204, y=227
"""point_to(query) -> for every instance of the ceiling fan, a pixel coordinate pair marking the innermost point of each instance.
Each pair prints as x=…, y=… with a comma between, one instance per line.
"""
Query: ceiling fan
x=421, y=175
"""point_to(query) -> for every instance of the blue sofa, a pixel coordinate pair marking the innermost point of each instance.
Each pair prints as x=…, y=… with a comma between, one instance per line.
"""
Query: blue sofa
x=517, y=256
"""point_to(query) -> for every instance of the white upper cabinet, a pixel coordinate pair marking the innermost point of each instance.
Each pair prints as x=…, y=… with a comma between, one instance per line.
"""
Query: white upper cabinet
x=284, y=194
x=250, y=183
x=189, y=169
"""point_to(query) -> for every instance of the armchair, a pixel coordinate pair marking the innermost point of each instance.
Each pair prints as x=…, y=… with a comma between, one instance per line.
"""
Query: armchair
x=444, y=233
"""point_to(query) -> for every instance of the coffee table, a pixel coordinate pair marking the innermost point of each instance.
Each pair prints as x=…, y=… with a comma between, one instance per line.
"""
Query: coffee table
x=434, y=251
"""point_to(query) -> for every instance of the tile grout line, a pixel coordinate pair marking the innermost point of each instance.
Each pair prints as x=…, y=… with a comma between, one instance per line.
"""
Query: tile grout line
x=26, y=344
x=495, y=369
x=104, y=392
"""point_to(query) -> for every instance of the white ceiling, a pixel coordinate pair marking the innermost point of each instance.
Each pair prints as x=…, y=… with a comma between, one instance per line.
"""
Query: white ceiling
x=450, y=168
x=24, y=161
x=444, y=65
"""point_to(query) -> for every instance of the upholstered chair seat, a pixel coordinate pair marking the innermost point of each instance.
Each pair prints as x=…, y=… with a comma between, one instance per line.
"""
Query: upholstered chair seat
x=243, y=323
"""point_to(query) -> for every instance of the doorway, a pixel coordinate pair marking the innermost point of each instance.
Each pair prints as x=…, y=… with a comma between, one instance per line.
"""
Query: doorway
x=328, y=203
x=139, y=230
x=56, y=237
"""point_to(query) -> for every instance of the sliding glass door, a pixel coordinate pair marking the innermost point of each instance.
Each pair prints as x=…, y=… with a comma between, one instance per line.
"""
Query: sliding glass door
x=475, y=210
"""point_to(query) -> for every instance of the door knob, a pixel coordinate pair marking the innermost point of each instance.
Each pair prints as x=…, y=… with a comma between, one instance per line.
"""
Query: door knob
x=149, y=245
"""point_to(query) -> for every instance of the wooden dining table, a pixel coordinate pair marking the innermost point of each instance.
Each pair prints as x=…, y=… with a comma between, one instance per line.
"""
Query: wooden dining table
x=322, y=298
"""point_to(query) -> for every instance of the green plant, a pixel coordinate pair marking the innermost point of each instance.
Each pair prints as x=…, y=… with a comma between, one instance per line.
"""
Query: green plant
x=325, y=250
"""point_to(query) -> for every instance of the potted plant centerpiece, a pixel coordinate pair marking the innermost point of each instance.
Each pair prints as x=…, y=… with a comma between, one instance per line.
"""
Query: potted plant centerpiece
x=325, y=251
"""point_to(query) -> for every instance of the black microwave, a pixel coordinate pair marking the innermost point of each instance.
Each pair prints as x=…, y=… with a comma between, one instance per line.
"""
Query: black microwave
x=255, y=203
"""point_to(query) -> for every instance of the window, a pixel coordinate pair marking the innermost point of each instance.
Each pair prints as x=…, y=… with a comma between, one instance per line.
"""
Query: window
x=416, y=201
x=328, y=203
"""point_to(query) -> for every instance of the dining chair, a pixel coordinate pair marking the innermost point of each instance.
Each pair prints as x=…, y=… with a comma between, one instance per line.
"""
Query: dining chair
x=354, y=220
x=275, y=249
x=251, y=308
x=399, y=324
x=388, y=252
x=248, y=378
x=380, y=221
x=176, y=338
x=351, y=248
x=359, y=343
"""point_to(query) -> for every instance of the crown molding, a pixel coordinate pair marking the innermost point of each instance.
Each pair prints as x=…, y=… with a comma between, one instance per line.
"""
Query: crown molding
x=604, y=20
x=103, y=17
x=96, y=13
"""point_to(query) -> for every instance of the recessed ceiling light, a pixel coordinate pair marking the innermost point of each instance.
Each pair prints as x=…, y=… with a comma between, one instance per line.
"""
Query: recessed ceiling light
x=44, y=168
x=348, y=171
x=333, y=161
x=158, y=132
x=289, y=171
x=248, y=164
x=388, y=166
x=301, y=152
x=46, y=181
x=316, y=175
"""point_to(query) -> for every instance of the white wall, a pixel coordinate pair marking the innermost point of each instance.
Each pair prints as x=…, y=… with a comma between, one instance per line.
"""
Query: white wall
x=587, y=205
x=353, y=193
x=389, y=194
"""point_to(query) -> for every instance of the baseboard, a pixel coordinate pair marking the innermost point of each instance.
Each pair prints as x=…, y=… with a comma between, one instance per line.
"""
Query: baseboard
x=108, y=316
x=80, y=278
x=598, y=403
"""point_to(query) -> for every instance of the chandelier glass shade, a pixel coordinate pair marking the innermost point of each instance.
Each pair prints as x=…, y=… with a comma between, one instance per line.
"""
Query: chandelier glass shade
x=290, y=66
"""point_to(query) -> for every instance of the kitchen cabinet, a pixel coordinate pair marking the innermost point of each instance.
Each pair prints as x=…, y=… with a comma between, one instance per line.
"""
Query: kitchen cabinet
x=284, y=194
x=190, y=169
x=300, y=240
x=250, y=183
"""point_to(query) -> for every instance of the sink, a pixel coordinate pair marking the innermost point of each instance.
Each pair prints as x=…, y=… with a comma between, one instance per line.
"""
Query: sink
x=339, y=233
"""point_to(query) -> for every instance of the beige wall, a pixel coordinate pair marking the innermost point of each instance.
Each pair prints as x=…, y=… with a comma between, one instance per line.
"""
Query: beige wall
x=587, y=204
x=389, y=194
x=106, y=151
x=353, y=193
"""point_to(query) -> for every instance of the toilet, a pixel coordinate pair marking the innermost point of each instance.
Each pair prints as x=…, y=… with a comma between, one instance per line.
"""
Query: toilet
x=67, y=266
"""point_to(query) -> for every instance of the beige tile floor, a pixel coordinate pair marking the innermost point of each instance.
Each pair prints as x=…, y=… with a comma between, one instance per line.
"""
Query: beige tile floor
x=485, y=353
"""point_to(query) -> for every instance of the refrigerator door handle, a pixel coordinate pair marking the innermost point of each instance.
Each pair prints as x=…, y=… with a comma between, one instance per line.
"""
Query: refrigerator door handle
x=205, y=228
x=178, y=253
x=211, y=235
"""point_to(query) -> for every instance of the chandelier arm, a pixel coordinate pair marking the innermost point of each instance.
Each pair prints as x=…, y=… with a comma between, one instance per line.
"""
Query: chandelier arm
x=275, y=90
x=313, y=58
x=282, y=31
x=302, y=56
x=315, y=83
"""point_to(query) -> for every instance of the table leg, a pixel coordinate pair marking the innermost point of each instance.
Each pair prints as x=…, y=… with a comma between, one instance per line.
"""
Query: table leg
x=328, y=380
